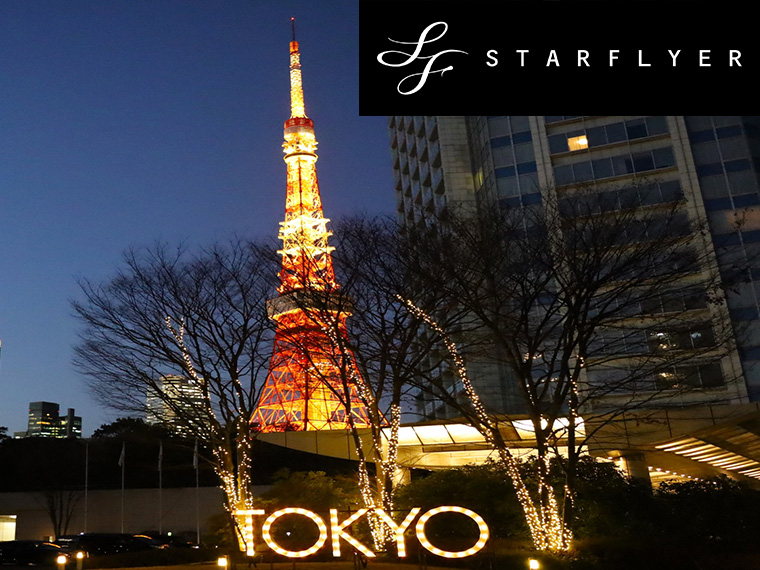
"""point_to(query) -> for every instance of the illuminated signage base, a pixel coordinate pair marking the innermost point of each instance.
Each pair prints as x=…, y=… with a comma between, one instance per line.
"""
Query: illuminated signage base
x=337, y=531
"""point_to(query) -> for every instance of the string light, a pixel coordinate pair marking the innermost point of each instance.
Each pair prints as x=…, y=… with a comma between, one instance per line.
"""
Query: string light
x=267, y=535
x=545, y=521
x=482, y=528
x=296, y=88
x=302, y=390
x=381, y=532
x=247, y=531
x=233, y=474
x=399, y=529
x=337, y=533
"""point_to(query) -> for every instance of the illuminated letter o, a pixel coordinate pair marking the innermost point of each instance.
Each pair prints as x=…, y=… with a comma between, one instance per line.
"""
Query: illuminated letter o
x=482, y=527
x=291, y=553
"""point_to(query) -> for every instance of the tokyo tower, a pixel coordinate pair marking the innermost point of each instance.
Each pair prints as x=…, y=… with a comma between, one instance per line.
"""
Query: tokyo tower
x=309, y=385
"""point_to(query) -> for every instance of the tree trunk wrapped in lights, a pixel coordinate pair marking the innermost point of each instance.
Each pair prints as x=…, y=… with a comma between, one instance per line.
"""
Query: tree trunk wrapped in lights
x=547, y=527
x=579, y=302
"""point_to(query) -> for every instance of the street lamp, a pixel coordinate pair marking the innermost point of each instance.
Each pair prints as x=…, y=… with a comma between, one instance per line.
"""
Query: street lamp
x=533, y=564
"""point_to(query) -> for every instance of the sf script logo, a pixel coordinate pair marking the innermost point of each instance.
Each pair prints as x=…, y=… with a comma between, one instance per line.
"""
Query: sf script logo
x=416, y=55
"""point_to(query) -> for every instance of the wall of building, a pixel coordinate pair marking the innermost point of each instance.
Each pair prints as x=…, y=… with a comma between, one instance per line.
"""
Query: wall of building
x=176, y=510
x=524, y=162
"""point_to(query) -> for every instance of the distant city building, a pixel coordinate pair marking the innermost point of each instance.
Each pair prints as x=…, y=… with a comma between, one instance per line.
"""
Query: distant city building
x=45, y=421
x=70, y=425
x=180, y=398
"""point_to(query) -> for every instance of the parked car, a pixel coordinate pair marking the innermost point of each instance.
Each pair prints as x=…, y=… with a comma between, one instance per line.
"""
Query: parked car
x=171, y=540
x=29, y=552
x=101, y=544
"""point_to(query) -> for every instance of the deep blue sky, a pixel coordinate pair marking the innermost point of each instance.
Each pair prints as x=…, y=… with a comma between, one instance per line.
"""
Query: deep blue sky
x=123, y=122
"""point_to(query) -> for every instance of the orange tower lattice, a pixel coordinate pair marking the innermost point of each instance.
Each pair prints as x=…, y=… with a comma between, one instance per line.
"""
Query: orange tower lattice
x=309, y=386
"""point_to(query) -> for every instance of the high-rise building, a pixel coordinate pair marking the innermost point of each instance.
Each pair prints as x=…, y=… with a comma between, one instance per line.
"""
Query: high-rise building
x=70, y=425
x=711, y=163
x=45, y=421
x=305, y=386
x=181, y=398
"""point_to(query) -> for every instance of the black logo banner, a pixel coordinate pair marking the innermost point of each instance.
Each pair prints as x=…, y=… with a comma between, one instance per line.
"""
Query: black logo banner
x=489, y=57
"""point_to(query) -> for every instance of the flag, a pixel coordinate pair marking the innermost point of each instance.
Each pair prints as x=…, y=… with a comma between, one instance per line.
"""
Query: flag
x=195, y=455
x=123, y=453
x=160, y=454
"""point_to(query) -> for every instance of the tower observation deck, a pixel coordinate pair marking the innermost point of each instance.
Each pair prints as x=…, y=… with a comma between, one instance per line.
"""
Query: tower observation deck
x=311, y=381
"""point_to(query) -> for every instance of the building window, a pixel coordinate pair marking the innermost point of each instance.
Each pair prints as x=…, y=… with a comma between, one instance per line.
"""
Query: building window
x=686, y=339
x=523, y=152
x=663, y=157
x=744, y=314
x=505, y=171
x=558, y=144
x=582, y=172
x=502, y=156
x=526, y=167
x=608, y=134
x=705, y=376
x=657, y=126
x=557, y=118
x=602, y=168
x=702, y=136
x=501, y=141
x=643, y=162
x=521, y=137
x=616, y=166
x=737, y=165
x=746, y=200
x=636, y=129
x=577, y=143
x=563, y=175
x=507, y=186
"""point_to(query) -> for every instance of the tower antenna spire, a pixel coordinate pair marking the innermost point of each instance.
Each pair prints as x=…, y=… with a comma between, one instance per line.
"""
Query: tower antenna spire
x=293, y=27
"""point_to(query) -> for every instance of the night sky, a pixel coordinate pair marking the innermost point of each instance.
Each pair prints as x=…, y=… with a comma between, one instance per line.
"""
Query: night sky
x=124, y=122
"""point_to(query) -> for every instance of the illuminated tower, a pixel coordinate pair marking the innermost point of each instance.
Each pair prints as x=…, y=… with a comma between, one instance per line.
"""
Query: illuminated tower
x=309, y=384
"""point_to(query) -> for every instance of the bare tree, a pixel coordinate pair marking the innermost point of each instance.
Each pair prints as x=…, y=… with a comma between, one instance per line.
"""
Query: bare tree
x=60, y=505
x=381, y=349
x=594, y=306
x=202, y=317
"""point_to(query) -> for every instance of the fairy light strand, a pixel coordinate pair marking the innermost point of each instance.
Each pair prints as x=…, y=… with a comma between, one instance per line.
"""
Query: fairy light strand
x=547, y=528
x=380, y=497
x=235, y=483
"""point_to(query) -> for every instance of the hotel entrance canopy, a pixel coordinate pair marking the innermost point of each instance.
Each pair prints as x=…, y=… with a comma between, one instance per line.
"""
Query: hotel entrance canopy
x=670, y=444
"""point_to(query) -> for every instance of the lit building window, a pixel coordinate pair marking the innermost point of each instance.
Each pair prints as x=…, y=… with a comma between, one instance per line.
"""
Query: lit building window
x=577, y=143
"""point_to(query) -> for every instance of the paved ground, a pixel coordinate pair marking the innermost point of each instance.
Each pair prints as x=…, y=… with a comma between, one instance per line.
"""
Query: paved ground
x=298, y=565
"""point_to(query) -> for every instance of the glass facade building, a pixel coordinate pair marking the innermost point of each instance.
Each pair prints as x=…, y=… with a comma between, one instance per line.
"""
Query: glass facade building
x=45, y=421
x=180, y=401
x=710, y=163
